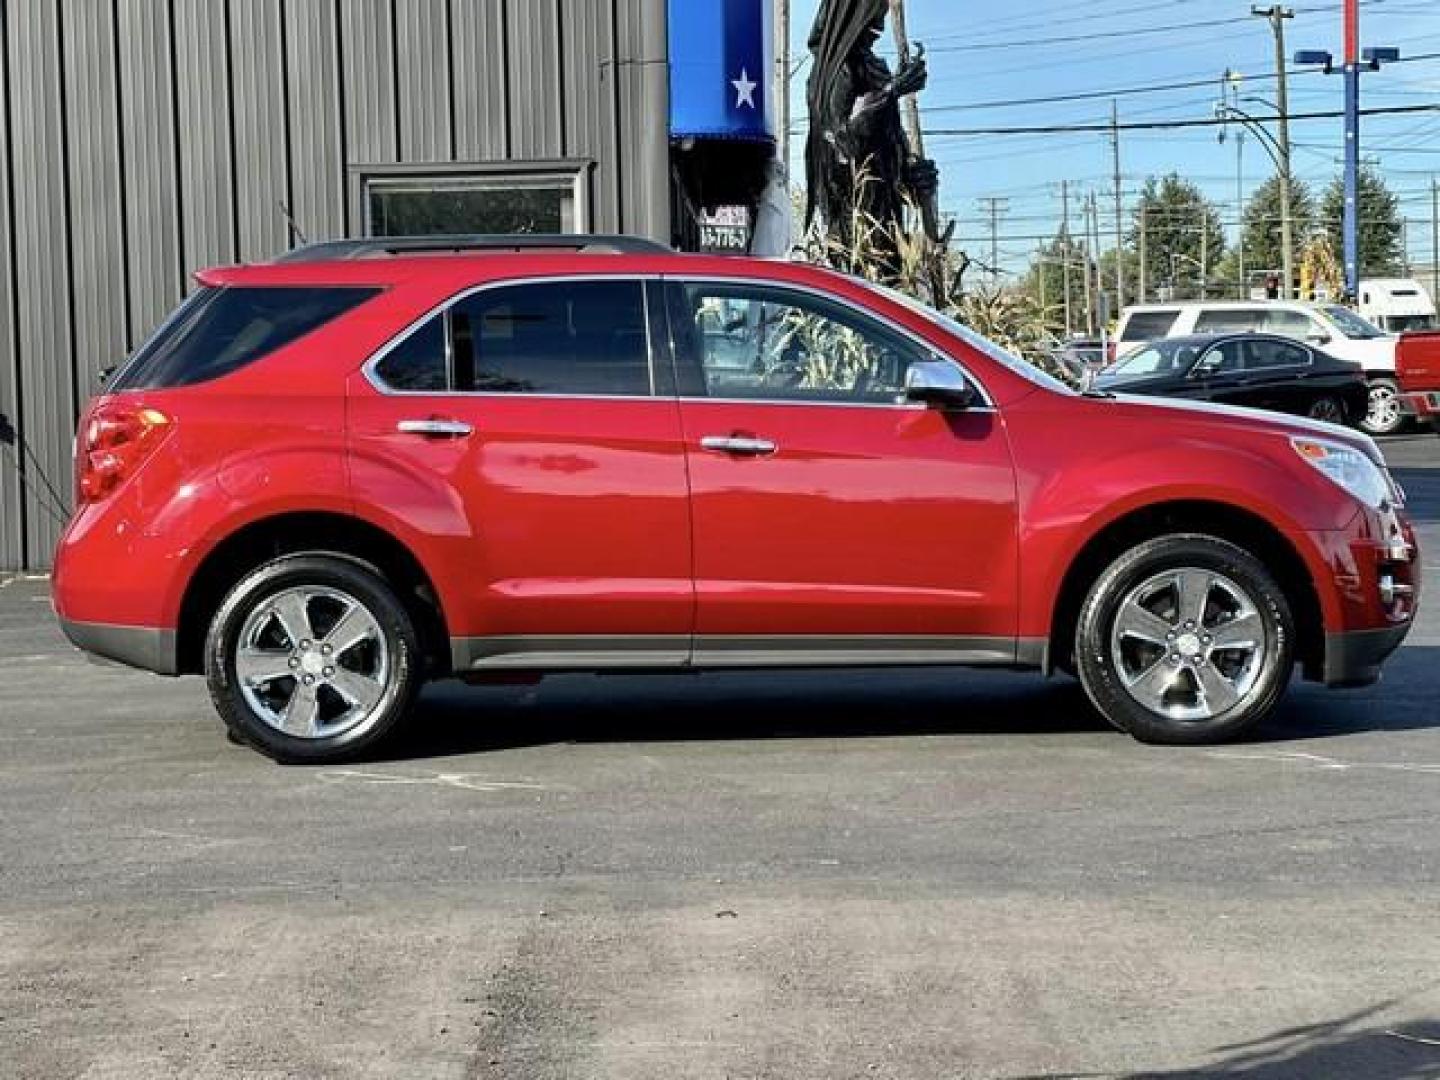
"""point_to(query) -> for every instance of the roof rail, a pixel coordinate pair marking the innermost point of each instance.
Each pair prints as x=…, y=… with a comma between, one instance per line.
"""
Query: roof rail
x=408, y=245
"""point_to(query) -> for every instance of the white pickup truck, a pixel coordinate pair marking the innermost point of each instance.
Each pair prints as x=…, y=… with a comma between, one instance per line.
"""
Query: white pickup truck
x=1329, y=327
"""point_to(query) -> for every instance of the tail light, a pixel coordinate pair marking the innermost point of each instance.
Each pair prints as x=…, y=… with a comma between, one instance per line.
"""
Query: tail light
x=114, y=442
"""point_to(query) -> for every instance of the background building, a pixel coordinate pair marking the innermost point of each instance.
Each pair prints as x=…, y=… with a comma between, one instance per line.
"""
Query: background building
x=143, y=139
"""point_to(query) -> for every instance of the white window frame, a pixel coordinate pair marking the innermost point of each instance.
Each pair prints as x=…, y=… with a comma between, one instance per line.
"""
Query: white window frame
x=500, y=176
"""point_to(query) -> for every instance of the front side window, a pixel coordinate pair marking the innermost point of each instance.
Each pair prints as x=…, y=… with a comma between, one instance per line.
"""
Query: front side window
x=1293, y=324
x=565, y=337
x=775, y=344
x=220, y=330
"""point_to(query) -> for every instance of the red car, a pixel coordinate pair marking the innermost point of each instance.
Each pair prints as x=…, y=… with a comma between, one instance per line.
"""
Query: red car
x=327, y=480
x=1417, y=365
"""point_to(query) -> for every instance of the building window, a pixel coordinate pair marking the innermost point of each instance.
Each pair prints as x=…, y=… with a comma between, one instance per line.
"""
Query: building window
x=500, y=200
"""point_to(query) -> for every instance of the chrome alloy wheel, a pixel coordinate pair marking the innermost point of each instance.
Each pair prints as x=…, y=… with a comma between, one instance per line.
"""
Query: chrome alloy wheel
x=1188, y=644
x=312, y=662
x=1384, y=414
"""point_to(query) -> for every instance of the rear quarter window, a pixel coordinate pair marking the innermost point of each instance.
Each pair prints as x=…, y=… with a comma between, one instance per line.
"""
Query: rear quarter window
x=1149, y=325
x=220, y=330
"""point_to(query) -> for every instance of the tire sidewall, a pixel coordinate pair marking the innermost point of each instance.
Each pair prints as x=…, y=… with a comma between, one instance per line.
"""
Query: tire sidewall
x=1096, y=665
x=335, y=572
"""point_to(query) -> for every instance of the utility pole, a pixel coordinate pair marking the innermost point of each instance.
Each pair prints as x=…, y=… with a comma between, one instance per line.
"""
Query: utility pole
x=994, y=207
x=1204, y=252
x=1119, y=209
x=1085, y=267
x=782, y=85
x=1435, y=237
x=1140, y=213
x=1040, y=270
x=1065, y=247
x=1277, y=16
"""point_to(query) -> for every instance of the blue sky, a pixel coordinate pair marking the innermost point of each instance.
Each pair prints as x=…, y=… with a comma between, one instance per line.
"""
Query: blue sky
x=982, y=52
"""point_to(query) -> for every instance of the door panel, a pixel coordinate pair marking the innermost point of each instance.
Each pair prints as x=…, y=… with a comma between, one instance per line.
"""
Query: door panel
x=561, y=522
x=826, y=508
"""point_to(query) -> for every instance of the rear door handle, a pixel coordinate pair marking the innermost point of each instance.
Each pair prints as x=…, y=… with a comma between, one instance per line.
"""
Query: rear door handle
x=740, y=445
x=435, y=428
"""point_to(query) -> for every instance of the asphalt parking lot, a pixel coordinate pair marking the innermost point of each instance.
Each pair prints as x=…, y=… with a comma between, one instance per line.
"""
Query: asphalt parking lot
x=848, y=875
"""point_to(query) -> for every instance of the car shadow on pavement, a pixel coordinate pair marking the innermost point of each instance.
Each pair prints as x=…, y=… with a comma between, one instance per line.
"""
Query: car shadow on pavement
x=454, y=719
x=1422, y=494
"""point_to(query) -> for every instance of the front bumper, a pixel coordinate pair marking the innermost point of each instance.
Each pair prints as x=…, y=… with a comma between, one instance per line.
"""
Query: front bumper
x=142, y=647
x=1355, y=658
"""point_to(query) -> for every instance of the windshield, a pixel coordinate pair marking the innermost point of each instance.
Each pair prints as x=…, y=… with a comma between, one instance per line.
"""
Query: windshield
x=1352, y=325
x=1160, y=358
x=981, y=344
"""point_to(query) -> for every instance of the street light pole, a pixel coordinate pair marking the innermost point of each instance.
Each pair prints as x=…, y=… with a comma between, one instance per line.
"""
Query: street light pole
x=1352, y=148
x=1277, y=16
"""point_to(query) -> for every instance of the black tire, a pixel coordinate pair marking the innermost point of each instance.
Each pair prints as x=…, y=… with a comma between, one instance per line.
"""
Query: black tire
x=1328, y=408
x=1384, y=415
x=1103, y=671
x=391, y=636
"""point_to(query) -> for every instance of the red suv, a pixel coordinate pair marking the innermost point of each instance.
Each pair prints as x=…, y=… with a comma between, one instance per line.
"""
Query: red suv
x=327, y=480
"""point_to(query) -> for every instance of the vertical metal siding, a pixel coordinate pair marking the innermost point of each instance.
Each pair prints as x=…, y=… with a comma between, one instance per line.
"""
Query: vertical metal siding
x=93, y=160
x=141, y=140
x=535, y=90
x=482, y=101
x=367, y=42
x=206, y=162
x=589, y=71
x=317, y=170
x=422, y=52
x=257, y=78
x=148, y=132
x=42, y=261
x=12, y=543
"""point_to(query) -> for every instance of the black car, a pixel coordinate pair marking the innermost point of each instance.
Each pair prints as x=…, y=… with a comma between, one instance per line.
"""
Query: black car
x=1261, y=371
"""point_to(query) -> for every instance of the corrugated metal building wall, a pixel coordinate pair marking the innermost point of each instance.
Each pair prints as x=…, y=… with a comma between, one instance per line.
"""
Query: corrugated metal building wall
x=143, y=139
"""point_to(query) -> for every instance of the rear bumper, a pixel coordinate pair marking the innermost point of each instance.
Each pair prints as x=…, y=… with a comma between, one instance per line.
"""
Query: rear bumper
x=142, y=647
x=1423, y=403
x=1355, y=658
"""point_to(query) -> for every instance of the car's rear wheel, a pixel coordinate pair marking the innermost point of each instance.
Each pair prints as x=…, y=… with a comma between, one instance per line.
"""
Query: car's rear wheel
x=1185, y=639
x=312, y=658
x=1383, y=415
x=1327, y=408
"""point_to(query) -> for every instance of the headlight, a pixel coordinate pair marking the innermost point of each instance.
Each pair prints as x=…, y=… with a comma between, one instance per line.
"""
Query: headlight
x=1348, y=468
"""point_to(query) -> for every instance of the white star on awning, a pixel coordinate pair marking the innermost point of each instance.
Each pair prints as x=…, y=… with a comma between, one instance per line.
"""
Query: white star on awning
x=744, y=89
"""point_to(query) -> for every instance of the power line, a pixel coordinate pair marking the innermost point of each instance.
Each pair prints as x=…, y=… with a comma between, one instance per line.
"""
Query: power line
x=1171, y=125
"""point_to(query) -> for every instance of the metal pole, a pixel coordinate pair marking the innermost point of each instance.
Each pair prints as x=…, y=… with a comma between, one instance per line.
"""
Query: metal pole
x=1352, y=148
x=1065, y=250
x=1204, y=251
x=782, y=84
x=1240, y=211
x=1277, y=16
x=1119, y=209
x=1143, y=290
x=1435, y=237
x=1099, y=279
x=1085, y=266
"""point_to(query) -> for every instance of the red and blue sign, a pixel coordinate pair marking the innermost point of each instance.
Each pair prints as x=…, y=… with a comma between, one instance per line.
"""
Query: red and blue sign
x=720, y=74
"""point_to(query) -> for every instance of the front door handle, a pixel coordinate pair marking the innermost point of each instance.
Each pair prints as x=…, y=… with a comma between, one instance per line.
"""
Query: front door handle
x=435, y=428
x=740, y=445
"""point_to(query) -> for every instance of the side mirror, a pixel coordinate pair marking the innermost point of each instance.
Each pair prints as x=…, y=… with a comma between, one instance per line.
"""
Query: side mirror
x=940, y=385
x=1318, y=339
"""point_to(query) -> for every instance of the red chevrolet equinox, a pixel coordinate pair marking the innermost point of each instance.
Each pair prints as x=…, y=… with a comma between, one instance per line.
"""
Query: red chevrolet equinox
x=327, y=480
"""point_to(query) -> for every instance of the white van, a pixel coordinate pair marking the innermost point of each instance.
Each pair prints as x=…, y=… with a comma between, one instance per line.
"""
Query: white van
x=1336, y=330
x=1397, y=305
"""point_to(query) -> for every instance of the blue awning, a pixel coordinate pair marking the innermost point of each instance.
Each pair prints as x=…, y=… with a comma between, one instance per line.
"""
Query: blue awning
x=720, y=74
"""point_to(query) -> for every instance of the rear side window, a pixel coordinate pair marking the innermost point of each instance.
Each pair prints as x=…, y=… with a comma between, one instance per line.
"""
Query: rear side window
x=419, y=363
x=1149, y=325
x=220, y=330
x=1228, y=320
x=570, y=337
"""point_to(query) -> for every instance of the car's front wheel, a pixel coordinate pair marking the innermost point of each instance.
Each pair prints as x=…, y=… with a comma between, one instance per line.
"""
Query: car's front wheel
x=1383, y=416
x=312, y=658
x=1185, y=639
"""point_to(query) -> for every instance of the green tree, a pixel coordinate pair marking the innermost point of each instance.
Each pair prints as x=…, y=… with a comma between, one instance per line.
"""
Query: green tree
x=1381, y=230
x=1263, y=223
x=1182, y=228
